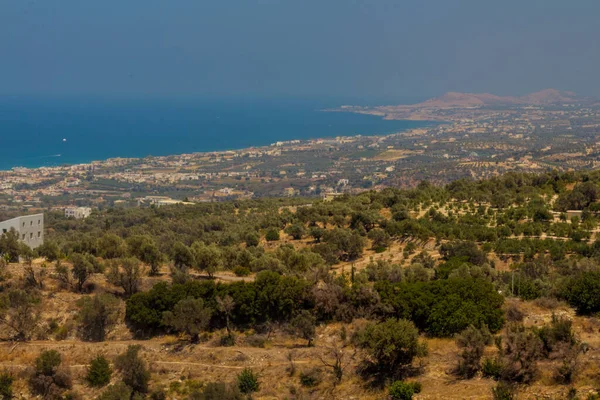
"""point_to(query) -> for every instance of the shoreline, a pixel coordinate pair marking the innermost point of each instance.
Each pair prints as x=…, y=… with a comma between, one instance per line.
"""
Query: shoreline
x=310, y=141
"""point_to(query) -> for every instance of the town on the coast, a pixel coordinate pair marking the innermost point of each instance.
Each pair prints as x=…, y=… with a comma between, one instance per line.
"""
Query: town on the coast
x=474, y=136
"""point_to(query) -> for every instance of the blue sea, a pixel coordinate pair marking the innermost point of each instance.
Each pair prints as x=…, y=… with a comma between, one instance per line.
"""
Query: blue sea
x=58, y=131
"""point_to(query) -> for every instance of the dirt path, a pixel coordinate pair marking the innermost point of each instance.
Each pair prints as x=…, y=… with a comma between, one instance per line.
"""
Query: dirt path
x=157, y=353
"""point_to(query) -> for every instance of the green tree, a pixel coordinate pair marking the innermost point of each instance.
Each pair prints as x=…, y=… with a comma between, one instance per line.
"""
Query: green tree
x=252, y=239
x=226, y=306
x=145, y=249
x=182, y=256
x=404, y=390
x=207, y=258
x=10, y=245
x=390, y=346
x=127, y=274
x=133, y=369
x=97, y=315
x=49, y=250
x=49, y=379
x=581, y=292
x=472, y=342
x=304, y=325
x=82, y=270
x=19, y=312
x=248, y=382
x=99, y=372
x=151, y=255
x=380, y=239
x=317, y=233
x=272, y=235
x=217, y=391
x=118, y=391
x=522, y=348
x=111, y=246
x=190, y=316
x=296, y=231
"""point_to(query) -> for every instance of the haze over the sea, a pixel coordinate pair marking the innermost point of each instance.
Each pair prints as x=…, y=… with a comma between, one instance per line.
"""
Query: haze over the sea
x=51, y=131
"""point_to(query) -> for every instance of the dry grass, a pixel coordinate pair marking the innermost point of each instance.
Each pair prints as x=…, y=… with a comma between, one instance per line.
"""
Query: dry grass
x=173, y=360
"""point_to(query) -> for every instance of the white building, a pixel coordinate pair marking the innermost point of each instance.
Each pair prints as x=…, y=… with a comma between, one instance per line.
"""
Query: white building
x=30, y=229
x=78, y=212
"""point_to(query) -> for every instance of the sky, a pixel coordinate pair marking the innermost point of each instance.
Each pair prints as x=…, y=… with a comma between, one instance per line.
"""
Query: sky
x=348, y=49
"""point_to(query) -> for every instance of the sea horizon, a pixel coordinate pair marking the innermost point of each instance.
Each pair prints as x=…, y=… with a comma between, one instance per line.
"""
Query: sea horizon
x=47, y=132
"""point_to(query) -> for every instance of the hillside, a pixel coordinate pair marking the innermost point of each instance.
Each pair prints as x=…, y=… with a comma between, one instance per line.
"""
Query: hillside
x=543, y=97
x=477, y=287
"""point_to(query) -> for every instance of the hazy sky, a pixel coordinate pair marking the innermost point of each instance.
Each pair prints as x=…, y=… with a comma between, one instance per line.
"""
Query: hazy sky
x=300, y=48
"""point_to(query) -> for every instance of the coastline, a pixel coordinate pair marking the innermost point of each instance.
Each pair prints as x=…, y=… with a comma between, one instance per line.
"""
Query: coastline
x=394, y=113
x=200, y=154
x=59, y=142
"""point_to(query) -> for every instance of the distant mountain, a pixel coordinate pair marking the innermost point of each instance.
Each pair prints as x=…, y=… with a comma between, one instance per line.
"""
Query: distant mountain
x=543, y=97
x=550, y=96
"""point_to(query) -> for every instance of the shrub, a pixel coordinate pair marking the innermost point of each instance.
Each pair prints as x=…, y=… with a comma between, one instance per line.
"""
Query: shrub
x=472, y=344
x=256, y=341
x=158, y=394
x=521, y=351
x=581, y=292
x=549, y=303
x=99, y=372
x=19, y=312
x=491, y=368
x=133, y=369
x=118, y=391
x=63, y=331
x=503, y=391
x=248, y=381
x=565, y=373
x=47, y=362
x=227, y=340
x=272, y=235
x=6, y=381
x=403, y=390
x=241, y=271
x=558, y=332
x=217, y=391
x=468, y=250
x=252, y=239
x=391, y=346
x=48, y=378
x=311, y=378
x=514, y=314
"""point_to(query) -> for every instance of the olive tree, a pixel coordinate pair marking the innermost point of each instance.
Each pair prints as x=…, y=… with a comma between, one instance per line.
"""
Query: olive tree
x=390, y=347
x=190, y=316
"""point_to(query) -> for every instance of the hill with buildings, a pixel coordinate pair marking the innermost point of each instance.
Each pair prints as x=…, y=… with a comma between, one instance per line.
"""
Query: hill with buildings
x=543, y=97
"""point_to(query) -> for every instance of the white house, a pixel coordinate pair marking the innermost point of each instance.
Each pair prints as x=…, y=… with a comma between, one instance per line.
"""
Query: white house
x=78, y=212
x=30, y=229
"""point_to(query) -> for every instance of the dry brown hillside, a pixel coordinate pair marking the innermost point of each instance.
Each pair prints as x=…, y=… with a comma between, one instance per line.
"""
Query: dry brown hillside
x=178, y=366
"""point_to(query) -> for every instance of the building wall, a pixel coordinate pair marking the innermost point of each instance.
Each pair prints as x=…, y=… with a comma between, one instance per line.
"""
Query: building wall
x=78, y=212
x=30, y=229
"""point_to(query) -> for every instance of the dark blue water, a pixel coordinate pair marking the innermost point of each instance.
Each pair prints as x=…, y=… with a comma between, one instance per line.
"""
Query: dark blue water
x=32, y=131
